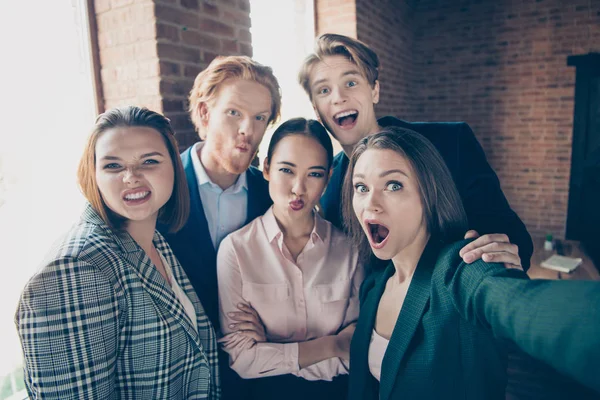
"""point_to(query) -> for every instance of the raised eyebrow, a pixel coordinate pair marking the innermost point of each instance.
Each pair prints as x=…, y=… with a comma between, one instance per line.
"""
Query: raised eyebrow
x=352, y=72
x=392, y=171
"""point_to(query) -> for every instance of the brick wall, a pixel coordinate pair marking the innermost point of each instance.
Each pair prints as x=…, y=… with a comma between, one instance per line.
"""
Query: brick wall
x=151, y=50
x=190, y=34
x=501, y=66
x=128, y=59
x=388, y=27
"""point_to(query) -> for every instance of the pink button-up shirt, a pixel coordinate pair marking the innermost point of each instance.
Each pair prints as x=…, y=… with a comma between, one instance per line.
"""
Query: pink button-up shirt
x=297, y=301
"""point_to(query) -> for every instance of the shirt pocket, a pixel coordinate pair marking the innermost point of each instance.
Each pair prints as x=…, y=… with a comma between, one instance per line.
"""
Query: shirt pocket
x=333, y=299
x=270, y=300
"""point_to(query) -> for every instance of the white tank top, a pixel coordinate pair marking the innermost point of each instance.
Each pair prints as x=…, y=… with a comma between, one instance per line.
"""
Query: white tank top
x=377, y=349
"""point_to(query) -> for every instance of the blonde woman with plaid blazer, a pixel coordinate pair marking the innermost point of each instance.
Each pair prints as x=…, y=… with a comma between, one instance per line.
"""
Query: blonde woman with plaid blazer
x=111, y=314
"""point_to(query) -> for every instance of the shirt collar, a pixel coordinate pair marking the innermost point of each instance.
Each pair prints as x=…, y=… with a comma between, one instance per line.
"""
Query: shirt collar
x=204, y=179
x=273, y=230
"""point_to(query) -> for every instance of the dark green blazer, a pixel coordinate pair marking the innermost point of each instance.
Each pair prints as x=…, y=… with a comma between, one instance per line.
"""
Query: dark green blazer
x=442, y=346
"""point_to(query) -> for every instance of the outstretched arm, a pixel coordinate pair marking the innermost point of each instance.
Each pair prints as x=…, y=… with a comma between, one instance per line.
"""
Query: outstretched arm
x=557, y=322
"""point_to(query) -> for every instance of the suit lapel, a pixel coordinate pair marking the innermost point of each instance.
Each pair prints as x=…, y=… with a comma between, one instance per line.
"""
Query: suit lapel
x=361, y=379
x=197, y=225
x=154, y=283
x=412, y=310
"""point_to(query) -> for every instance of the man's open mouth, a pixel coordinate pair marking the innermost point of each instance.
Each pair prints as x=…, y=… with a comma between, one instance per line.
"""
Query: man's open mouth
x=379, y=233
x=346, y=119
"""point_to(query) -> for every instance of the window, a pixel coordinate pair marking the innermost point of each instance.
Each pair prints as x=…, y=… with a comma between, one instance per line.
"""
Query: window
x=48, y=109
x=282, y=36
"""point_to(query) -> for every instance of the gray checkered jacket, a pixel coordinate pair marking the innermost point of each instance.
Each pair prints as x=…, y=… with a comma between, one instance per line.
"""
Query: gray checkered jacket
x=98, y=321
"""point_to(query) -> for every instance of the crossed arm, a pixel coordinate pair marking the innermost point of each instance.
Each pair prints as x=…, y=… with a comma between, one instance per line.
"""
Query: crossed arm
x=251, y=353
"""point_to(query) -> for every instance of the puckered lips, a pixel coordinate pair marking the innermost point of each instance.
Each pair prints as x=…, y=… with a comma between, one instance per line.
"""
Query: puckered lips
x=378, y=233
x=134, y=197
x=297, y=204
x=243, y=147
x=346, y=119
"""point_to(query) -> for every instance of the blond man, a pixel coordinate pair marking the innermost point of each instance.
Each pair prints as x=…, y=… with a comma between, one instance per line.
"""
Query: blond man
x=341, y=79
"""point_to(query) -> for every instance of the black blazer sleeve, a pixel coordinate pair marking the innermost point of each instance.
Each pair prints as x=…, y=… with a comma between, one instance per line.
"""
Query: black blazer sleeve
x=487, y=209
x=557, y=322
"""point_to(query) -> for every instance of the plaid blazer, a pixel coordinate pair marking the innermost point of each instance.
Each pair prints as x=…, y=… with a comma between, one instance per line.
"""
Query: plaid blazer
x=100, y=322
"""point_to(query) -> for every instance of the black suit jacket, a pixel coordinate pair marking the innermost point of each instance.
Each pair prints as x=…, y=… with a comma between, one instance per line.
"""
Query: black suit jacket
x=443, y=347
x=486, y=206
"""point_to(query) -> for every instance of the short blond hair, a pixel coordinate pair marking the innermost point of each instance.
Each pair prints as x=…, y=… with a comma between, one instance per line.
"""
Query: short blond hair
x=330, y=44
x=207, y=83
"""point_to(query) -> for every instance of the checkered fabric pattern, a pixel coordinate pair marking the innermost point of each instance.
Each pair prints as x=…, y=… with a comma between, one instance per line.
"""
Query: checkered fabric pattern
x=98, y=321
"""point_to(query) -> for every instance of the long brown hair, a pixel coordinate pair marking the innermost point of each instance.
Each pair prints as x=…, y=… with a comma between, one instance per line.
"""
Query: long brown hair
x=442, y=207
x=175, y=212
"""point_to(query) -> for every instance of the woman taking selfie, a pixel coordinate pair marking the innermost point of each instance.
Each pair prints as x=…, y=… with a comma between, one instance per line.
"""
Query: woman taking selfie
x=111, y=314
x=428, y=322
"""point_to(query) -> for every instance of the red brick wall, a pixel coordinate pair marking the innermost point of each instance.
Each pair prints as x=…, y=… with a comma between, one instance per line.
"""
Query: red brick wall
x=388, y=27
x=151, y=50
x=501, y=66
x=190, y=34
x=128, y=59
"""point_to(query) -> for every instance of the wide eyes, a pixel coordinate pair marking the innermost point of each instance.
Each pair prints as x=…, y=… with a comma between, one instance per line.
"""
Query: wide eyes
x=360, y=188
x=390, y=187
x=393, y=186
x=351, y=83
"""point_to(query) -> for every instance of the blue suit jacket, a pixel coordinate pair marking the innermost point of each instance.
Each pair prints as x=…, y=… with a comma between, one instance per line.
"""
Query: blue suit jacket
x=487, y=209
x=193, y=246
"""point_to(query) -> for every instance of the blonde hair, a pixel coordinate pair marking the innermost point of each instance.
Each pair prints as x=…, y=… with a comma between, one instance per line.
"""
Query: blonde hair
x=175, y=212
x=207, y=83
x=330, y=44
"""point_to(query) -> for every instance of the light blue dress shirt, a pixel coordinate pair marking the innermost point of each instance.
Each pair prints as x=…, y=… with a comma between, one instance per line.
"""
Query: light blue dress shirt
x=225, y=210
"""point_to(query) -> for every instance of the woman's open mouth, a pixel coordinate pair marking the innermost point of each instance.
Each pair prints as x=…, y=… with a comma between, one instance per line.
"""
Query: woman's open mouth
x=378, y=234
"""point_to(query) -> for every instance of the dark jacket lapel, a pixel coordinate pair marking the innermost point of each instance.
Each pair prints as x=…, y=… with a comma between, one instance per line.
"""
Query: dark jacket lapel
x=362, y=383
x=410, y=316
x=197, y=225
